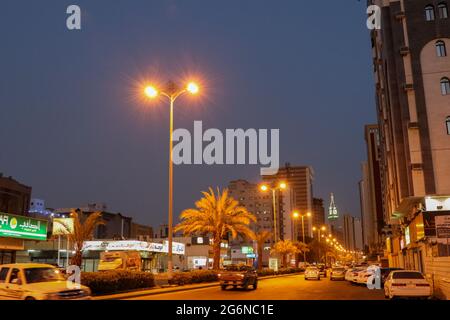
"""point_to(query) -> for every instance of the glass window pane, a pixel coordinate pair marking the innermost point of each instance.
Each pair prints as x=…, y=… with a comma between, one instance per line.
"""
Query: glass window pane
x=448, y=125
x=429, y=12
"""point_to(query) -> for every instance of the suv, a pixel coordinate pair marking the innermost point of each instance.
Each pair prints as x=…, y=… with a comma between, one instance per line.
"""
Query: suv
x=34, y=281
x=235, y=276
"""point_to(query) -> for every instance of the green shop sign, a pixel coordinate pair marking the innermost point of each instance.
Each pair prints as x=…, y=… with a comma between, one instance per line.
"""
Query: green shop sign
x=12, y=226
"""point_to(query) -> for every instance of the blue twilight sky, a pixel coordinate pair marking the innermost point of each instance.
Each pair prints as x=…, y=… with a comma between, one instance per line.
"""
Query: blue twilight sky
x=73, y=126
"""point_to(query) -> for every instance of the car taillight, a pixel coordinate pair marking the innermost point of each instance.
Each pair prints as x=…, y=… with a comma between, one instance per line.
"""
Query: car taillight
x=399, y=285
x=422, y=285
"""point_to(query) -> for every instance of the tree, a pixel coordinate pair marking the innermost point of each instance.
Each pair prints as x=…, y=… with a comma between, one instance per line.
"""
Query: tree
x=302, y=248
x=261, y=238
x=83, y=231
x=284, y=248
x=217, y=215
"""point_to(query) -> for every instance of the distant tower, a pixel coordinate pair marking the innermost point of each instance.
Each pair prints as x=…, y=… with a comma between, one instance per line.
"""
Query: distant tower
x=332, y=211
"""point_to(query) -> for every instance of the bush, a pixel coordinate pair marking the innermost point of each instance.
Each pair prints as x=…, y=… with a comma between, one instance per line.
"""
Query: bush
x=107, y=282
x=190, y=277
x=270, y=272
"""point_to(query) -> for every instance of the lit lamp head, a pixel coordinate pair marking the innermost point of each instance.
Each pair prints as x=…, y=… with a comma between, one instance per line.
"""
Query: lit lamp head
x=324, y=228
x=264, y=188
x=151, y=92
x=314, y=228
x=295, y=215
x=309, y=215
x=192, y=88
x=283, y=185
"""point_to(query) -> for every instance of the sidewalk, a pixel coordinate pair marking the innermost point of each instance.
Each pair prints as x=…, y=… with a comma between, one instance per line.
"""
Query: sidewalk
x=174, y=288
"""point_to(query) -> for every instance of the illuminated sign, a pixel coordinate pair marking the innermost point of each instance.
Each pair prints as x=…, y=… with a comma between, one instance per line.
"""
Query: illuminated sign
x=247, y=250
x=21, y=227
x=177, y=248
x=407, y=236
x=63, y=226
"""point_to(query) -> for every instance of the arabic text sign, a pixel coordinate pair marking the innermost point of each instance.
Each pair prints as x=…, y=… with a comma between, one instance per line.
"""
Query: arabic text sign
x=12, y=226
x=177, y=248
x=443, y=227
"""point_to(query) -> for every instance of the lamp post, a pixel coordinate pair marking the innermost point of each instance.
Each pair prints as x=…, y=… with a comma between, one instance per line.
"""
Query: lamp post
x=171, y=92
x=296, y=215
x=274, y=188
x=318, y=229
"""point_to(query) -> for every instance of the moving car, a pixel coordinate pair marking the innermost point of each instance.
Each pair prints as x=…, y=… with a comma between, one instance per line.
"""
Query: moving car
x=238, y=276
x=337, y=273
x=312, y=273
x=407, y=284
x=35, y=281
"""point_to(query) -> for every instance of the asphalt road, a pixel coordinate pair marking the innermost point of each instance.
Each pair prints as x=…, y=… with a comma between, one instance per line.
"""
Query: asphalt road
x=284, y=288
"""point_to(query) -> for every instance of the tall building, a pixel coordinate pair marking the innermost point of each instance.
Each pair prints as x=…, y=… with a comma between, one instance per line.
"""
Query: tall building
x=300, y=181
x=372, y=210
x=412, y=74
x=352, y=233
x=318, y=214
x=334, y=220
x=260, y=204
x=14, y=196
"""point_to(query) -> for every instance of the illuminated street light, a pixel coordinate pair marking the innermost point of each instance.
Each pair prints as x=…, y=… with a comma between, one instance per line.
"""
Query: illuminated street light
x=172, y=91
x=274, y=188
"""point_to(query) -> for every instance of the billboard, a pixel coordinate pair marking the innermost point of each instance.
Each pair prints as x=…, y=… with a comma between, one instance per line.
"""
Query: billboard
x=442, y=227
x=12, y=226
x=63, y=226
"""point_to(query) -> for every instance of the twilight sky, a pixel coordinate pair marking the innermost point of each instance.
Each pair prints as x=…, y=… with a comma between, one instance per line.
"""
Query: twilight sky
x=75, y=129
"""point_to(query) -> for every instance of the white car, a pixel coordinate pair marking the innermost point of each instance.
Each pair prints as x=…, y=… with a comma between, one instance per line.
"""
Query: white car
x=407, y=284
x=352, y=274
x=35, y=281
x=312, y=273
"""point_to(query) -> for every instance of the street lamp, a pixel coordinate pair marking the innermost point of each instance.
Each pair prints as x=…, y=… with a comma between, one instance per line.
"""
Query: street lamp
x=296, y=215
x=318, y=229
x=172, y=91
x=274, y=187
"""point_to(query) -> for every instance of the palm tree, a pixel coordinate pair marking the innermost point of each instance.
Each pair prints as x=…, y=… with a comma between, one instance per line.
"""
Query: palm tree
x=261, y=238
x=302, y=248
x=285, y=248
x=217, y=215
x=83, y=230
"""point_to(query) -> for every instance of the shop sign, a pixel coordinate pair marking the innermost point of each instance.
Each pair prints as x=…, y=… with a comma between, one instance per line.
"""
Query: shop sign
x=273, y=264
x=442, y=227
x=21, y=227
x=177, y=248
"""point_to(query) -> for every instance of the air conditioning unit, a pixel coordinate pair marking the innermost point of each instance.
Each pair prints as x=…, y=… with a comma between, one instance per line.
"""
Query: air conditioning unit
x=404, y=51
x=408, y=86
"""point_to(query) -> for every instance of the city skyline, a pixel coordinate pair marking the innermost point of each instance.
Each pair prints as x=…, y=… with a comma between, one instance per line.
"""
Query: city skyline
x=91, y=140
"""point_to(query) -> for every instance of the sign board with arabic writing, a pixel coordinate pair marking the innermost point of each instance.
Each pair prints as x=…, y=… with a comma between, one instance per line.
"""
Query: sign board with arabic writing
x=131, y=245
x=443, y=227
x=21, y=227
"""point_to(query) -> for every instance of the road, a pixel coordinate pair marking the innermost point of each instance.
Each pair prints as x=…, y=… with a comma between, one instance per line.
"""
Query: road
x=283, y=288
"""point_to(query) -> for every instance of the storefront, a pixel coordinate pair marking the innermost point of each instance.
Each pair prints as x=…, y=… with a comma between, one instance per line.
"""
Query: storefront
x=14, y=230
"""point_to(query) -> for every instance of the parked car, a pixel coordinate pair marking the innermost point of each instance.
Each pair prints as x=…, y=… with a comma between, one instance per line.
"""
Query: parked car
x=323, y=270
x=351, y=274
x=362, y=276
x=238, y=276
x=385, y=273
x=312, y=273
x=337, y=273
x=35, y=281
x=407, y=284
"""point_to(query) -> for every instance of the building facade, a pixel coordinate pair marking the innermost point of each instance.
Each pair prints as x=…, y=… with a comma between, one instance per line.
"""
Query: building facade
x=300, y=180
x=412, y=72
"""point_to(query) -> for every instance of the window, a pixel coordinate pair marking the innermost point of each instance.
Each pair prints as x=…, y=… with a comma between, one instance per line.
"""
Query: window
x=429, y=13
x=445, y=86
x=443, y=10
x=440, y=49
x=3, y=274
x=448, y=128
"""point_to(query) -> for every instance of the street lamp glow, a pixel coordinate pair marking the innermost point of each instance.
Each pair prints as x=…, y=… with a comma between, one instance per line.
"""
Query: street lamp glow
x=324, y=228
x=283, y=185
x=193, y=88
x=264, y=188
x=151, y=92
x=314, y=228
x=296, y=215
x=308, y=214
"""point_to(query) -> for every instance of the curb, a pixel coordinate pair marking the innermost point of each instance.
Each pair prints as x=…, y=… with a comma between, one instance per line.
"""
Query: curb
x=152, y=292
